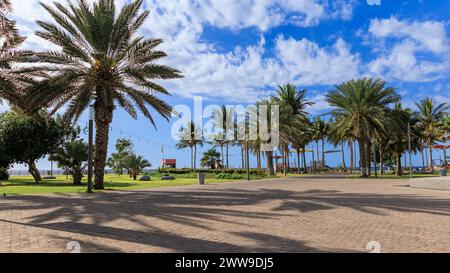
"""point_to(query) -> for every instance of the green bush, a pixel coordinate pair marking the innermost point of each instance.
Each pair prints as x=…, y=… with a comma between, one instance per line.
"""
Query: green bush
x=4, y=175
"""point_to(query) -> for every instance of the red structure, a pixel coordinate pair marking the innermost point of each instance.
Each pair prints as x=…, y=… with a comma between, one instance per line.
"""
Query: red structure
x=169, y=163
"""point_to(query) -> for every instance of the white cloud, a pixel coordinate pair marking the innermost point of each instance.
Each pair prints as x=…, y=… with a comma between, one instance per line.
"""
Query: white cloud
x=243, y=73
x=410, y=51
x=430, y=35
x=320, y=105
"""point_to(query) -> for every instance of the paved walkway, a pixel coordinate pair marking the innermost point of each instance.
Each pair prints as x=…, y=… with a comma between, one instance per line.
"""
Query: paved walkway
x=285, y=215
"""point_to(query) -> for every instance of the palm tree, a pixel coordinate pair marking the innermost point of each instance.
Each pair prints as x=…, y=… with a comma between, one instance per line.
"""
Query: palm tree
x=227, y=118
x=72, y=157
x=360, y=107
x=320, y=128
x=339, y=137
x=430, y=115
x=293, y=114
x=190, y=137
x=219, y=141
x=136, y=165
x=124, y=148
x=103, y=62
x=289, y=95
x=396, y=141
x=12, y=81
x=211, y=159
x=300, y=137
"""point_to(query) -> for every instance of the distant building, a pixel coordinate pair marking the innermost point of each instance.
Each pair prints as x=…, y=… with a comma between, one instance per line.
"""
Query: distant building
x=169, y=163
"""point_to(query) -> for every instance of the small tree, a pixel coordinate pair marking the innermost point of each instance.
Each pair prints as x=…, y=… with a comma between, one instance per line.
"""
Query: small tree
x=136, y=165
x=25, y=139
x=72, y=157
x=116, y=161
x=211, y=159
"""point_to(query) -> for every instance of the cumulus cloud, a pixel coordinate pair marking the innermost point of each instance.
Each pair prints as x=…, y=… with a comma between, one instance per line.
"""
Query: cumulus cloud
x=406, y=48
x=244, y=73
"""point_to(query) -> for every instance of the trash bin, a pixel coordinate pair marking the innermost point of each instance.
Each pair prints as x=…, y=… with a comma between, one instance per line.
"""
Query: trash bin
x=201, y=178
x=443, y=172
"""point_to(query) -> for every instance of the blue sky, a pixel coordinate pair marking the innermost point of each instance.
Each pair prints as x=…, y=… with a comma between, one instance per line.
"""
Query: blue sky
x=237, y=51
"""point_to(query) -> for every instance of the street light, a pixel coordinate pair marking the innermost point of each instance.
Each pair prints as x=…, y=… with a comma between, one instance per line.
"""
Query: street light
x=247, y=157
x=409, y=150
x=91, y=148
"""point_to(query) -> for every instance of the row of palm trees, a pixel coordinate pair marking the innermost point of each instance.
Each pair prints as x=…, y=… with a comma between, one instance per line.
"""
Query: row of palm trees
x=101, y=62
x=367, y=114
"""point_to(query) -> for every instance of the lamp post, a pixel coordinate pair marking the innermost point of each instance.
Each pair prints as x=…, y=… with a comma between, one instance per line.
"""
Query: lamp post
x=247, y=157
x=91, y=148
x=375, y=158
x=409, y=150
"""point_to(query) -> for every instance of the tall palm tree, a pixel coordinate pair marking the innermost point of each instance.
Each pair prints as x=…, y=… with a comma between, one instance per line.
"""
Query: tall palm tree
x=289, y=95
x=103, y=62
x=430, y=115
x=227, y=118
x=397, y=142
x=339, y=137
x=293, y=104
x=321, y=129
x=360, y=107
x=190, y=137
x=300, y=137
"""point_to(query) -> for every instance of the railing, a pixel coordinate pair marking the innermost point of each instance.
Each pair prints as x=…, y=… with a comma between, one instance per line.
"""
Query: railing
x=44, y=172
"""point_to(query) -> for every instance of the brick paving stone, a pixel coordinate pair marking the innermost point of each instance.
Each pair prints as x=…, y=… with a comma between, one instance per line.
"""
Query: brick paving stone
x=283, y=215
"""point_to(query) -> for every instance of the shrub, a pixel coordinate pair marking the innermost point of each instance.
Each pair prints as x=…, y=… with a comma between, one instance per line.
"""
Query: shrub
x=4, y=175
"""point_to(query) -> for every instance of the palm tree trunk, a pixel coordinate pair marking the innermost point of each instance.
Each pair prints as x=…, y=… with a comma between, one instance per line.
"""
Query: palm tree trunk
x=227, y=149
x=399, y=170
x=258, y=160
x=192, y=157
x=221, y=152
x=195, y=157
x=431, y=155
x=355, y=157
x=343, y=157
x=298, y=161
x=368, y=159
x=304, y=160
x=317, y=151
x=269, y=156
x=362, y=153
x=323, y=153
x=381, y=162
x=375, y=159
x=423, y=157
x=352, y=159
x=103, y=118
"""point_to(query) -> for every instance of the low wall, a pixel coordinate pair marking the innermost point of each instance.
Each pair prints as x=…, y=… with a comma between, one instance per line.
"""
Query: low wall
x=432, y=183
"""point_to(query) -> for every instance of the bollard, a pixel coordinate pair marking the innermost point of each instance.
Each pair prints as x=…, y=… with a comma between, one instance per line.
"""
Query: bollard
x=201, y=178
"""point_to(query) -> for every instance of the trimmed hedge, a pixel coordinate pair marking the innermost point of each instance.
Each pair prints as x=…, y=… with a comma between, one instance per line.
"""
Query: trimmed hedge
x=208, y=171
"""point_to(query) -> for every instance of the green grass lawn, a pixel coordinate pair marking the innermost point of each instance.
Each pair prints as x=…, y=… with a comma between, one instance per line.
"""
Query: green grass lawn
x=21, y=185
x=24, y=185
